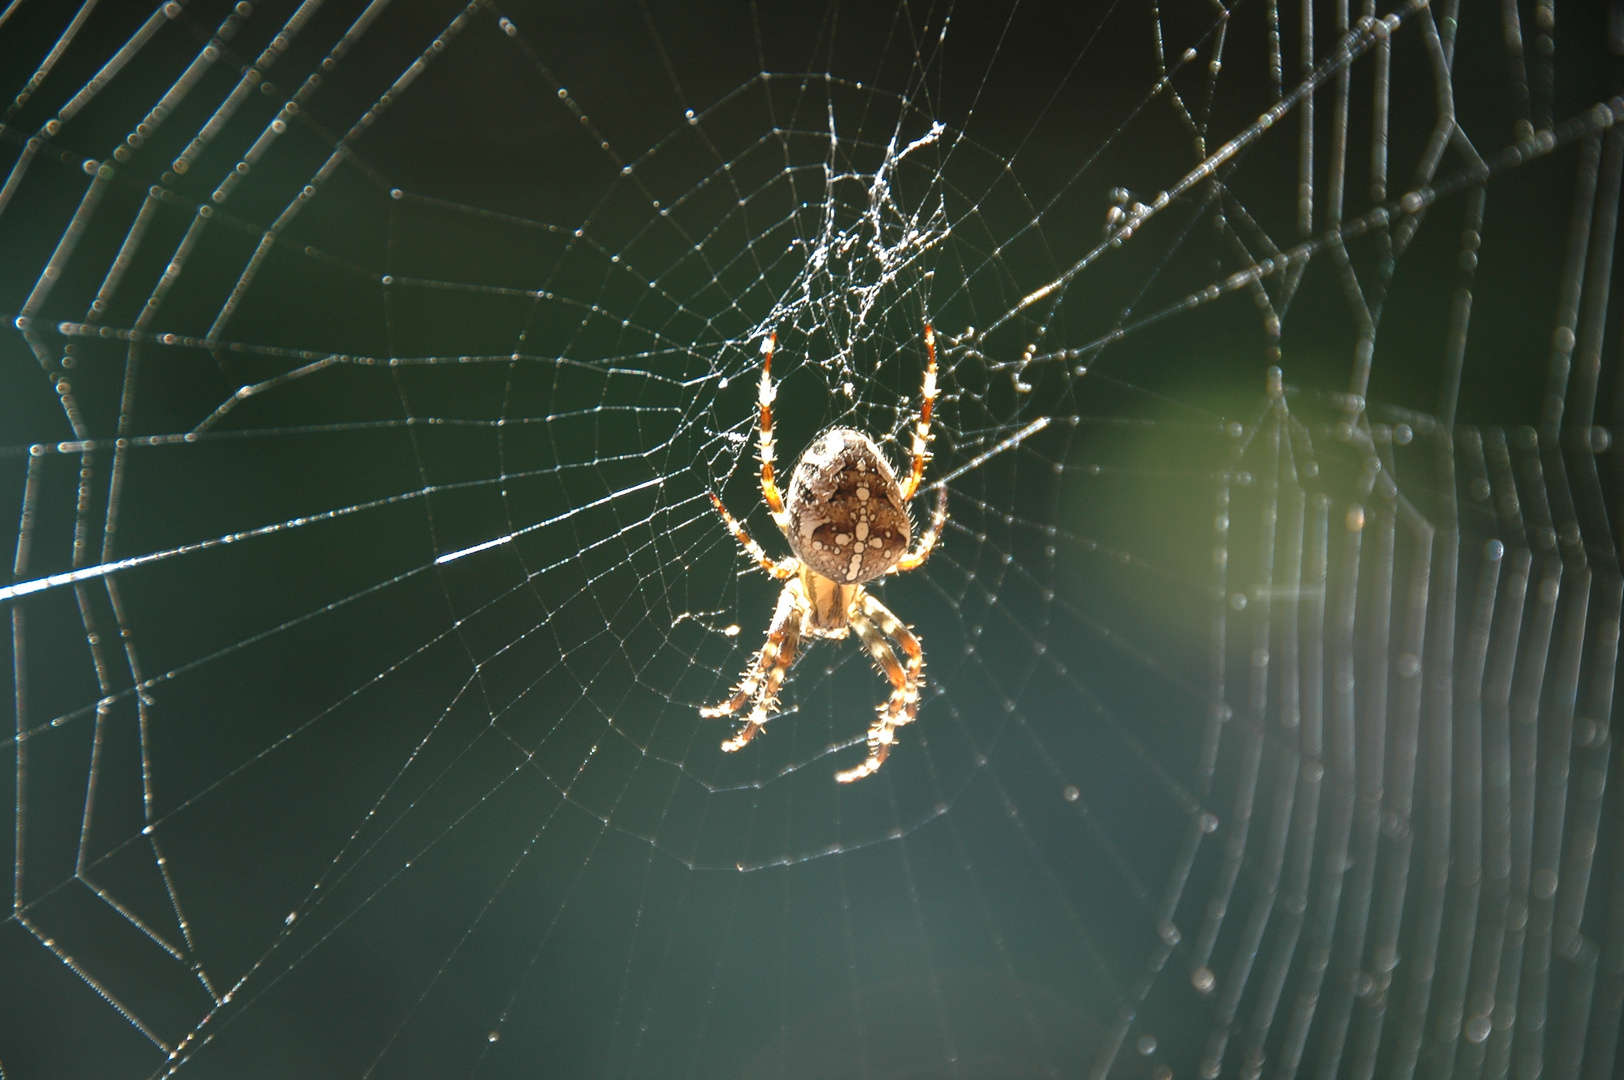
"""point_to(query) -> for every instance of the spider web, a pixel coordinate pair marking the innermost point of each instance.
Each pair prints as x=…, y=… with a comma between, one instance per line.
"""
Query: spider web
x=372, y=365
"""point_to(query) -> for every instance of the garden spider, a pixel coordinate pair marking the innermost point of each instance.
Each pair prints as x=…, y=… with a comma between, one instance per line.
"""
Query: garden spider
x=846, y=520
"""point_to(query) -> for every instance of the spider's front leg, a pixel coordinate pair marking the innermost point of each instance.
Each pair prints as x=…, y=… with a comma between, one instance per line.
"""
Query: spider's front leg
x=874, y=624
x=765, y=676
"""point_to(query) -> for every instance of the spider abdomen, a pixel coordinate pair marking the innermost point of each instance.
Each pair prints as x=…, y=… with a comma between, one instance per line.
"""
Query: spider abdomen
x=846, y=517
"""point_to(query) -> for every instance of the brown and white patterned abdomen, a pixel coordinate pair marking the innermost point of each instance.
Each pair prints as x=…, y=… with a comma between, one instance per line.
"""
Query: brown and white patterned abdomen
x=846, y=518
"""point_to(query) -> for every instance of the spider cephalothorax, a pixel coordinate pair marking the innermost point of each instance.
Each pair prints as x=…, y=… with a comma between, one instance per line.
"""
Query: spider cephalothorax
x=846, y=520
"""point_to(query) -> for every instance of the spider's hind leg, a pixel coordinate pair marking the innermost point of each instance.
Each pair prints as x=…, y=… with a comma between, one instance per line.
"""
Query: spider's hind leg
x=927, y=405
x=766, y=391
x=938, y=517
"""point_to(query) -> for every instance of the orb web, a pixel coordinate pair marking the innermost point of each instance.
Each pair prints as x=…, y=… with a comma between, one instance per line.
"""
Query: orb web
x=371, y=366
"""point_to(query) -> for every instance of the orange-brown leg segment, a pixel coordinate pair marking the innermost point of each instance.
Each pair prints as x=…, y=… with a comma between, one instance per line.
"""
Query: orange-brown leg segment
x=767, y=695
x=766, y=673
x=938, y=517
x=764, y=397
x=874, y=624
x=927, y=405
x=751, y=548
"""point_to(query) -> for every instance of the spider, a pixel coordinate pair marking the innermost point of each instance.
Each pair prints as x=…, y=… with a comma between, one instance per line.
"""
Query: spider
x=846, y=519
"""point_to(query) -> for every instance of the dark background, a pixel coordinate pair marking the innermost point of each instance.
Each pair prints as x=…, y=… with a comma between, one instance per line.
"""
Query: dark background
x=465, y=819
